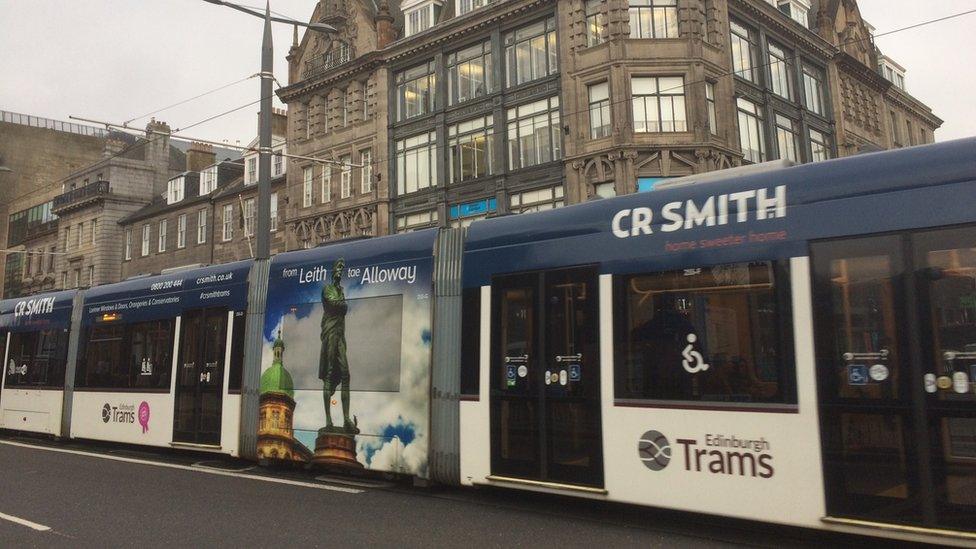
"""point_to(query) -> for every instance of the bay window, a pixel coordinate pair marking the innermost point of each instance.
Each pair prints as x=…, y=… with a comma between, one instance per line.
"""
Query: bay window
x=653, y=18
x=600, y=122
x=659, y=104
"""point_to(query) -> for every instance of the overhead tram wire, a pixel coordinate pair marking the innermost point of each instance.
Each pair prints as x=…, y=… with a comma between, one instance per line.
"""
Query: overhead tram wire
x=183, y=102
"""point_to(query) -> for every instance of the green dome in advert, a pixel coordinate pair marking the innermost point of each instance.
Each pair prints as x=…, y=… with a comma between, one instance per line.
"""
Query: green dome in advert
x=276, y=379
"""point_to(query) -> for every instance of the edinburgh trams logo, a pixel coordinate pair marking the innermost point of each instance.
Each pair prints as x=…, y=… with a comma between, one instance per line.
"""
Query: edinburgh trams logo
x=654, y=450
x=720, y=454
x=123, y=413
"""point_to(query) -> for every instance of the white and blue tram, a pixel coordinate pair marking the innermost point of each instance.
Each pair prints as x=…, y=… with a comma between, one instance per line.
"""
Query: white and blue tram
x=796, y=346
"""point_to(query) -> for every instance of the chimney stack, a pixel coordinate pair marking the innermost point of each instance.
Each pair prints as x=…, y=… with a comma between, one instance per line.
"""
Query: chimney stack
x=199, y=156
x=279, y=122
x=385, y=33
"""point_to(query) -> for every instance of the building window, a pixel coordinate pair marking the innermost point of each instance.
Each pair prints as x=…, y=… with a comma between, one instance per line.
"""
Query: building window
x=531, y=53
x=909, y=132
x=813, y=91
x=201, y=226
x=81, y=233
x=534, y=134
x=208, y=180
x=128, y=243
x=470, y=149
x=249, y=217
x=64, y=280
x=279, y=163
x=743, y=52
x=412, y=222
x=659, y=104
x=415, y=91
x=710, y=105
x=162, y=237
x=326, y=183
x=708, y=334
x=274, y=212
x=786, y=138
x=77, y=273
x=537, y=200
x=345, y=177
x=145, y=240
x=751, y=135
x=895, y=133
x=600, y=122
x=469, y=73
x=307, y=187
x=94, y=230
x=28, y=263
x=421, y=18
x=366, y=172
x=819, y=146
x=365, y=101
x=252, y=171
x=228, y=222
x=596, y=22
x=780, y=72
x=798, y=10
x=67, y=228
x=464, y=6
x=463, y=215
x=175, y=190
x=416, y=163
x=344, y=107
x=91, y=276
x=653, y=18
x=54, y=250
x=181, y=231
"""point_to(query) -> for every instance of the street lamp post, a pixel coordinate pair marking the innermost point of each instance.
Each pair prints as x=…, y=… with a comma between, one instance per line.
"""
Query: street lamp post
x=263, y=250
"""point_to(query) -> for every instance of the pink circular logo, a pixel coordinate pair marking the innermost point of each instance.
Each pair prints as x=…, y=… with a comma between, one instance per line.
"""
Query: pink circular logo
x=144, y=416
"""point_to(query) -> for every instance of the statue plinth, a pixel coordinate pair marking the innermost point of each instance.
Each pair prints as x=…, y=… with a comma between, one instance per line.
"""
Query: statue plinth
x=335, y=447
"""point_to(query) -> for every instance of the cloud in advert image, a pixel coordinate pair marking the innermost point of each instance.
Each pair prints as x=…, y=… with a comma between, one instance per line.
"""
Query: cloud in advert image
x=345, y=367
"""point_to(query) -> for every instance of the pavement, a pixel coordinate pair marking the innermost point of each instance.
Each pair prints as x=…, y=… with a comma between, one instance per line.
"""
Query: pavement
x=90, y=495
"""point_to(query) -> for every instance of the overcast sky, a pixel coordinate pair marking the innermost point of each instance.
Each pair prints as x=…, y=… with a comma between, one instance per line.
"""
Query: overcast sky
x=117, y=59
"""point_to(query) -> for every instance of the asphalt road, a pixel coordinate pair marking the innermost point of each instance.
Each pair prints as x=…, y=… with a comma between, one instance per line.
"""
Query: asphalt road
x=114, y=499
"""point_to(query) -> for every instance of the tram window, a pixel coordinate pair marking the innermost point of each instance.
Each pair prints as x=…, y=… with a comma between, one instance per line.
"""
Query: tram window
x=709, y=334
x=37, y=359
x=470, y=341
x=132, y=356
x=237, y=353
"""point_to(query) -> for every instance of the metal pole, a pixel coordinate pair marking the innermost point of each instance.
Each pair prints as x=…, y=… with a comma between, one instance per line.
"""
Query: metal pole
x=264, y=143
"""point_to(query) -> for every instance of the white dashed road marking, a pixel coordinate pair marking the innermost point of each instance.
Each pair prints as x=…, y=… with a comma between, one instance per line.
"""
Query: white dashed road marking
x=25, y=522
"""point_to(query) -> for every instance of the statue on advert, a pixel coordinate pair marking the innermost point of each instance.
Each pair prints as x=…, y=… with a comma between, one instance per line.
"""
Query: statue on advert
x=333, y=365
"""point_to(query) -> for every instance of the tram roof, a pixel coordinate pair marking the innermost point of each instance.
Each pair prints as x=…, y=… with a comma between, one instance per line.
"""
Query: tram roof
x=164, y=295
x=865, y=174
x=383, y=249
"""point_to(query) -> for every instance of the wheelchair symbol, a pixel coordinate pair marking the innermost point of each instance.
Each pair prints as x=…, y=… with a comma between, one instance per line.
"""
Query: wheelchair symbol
x=693, y=361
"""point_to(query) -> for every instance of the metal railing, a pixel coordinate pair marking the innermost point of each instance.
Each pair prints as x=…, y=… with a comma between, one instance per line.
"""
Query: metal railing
x=47, y=123
x=327, y=61
x=73, y=196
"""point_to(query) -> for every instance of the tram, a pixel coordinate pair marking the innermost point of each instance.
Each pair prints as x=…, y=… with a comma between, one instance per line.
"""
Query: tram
x=794, y=346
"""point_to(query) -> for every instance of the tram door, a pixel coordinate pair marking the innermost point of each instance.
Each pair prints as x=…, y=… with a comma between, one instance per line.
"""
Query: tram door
x=200, y=377
x=896, y=336
x=545, y=379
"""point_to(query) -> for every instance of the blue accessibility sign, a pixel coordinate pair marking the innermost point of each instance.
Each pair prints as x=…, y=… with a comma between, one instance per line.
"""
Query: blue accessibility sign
x=857, y=374
x=574, y=372
x=511, y=372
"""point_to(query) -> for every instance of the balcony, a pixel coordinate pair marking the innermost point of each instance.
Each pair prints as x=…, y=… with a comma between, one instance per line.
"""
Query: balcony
x=320, y=64
x=80, y=196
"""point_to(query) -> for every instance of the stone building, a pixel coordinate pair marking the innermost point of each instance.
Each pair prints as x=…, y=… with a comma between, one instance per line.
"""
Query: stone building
x=36, y=153
x=94, y=199
x=177, y=228
x=509, y=106
x=338, y=111
x=873, y=109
